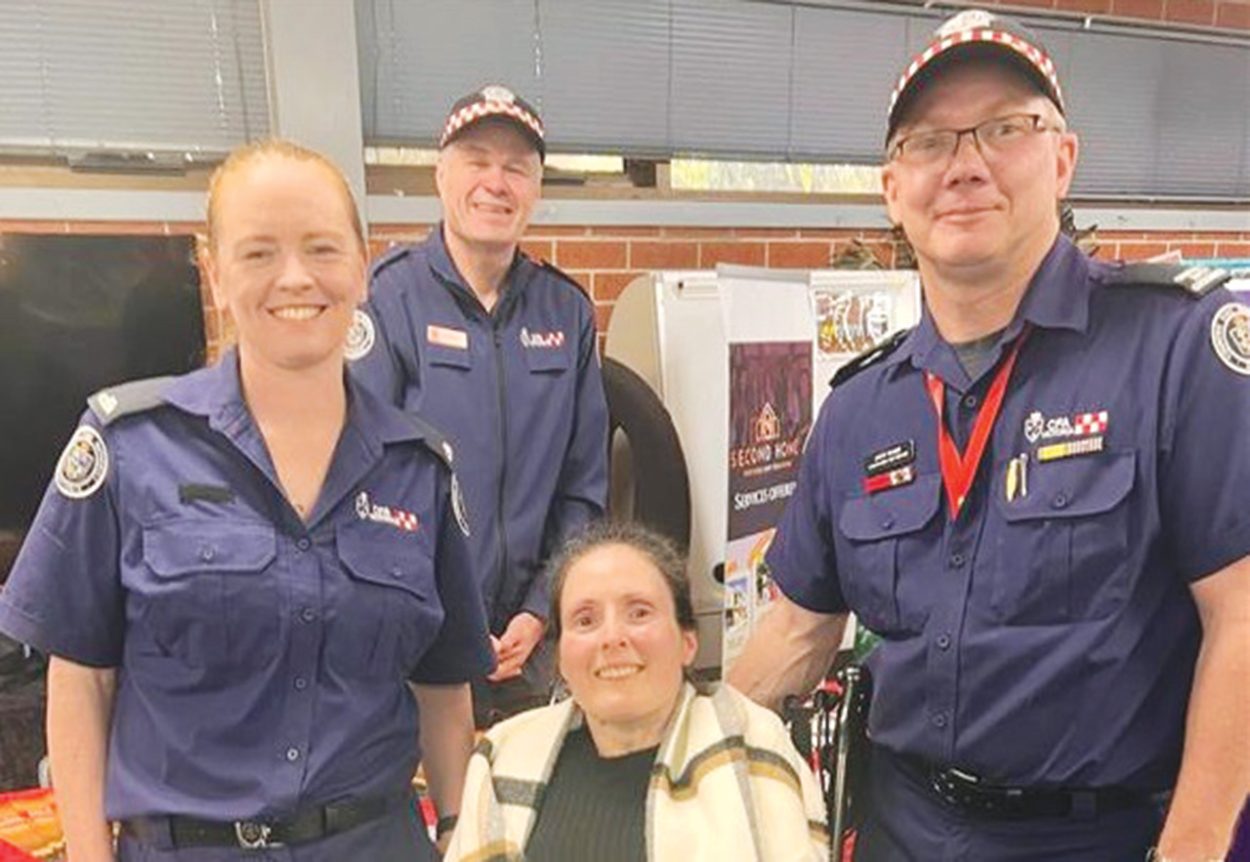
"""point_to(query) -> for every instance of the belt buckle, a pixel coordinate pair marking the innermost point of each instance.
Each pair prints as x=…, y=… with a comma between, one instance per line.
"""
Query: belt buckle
x=253, y=835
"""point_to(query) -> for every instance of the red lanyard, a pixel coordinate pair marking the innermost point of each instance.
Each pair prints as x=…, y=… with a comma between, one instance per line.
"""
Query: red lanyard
x=958, y=470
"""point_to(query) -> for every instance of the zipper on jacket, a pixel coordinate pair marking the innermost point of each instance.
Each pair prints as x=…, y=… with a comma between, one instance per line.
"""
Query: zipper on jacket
x=500, y=590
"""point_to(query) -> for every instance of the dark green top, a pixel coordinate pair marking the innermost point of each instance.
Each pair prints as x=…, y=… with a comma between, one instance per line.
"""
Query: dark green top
x=593, y=807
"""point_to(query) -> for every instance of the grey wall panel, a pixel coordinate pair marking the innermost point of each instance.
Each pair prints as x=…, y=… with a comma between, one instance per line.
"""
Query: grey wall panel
x=425, y=55
x=774, y=80
x=839, y=106
x=731, y=77
x=604, y=74
x=131, y=74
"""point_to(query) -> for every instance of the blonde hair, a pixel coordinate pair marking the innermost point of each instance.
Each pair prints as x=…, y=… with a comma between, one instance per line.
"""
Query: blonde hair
x=255, y=151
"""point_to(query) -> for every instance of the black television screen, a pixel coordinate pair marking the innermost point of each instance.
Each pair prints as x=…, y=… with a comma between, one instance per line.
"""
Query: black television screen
x=78, y=313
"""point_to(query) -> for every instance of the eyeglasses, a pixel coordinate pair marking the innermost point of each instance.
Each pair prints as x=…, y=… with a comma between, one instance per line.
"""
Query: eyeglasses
x=996, y=137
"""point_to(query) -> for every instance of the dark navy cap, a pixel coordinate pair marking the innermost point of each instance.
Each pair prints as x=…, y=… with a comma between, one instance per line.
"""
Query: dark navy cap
x=970, y=34
x=490, y=101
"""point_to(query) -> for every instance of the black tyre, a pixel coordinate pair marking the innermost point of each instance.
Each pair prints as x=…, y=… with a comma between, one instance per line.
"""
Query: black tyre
x=649, y=483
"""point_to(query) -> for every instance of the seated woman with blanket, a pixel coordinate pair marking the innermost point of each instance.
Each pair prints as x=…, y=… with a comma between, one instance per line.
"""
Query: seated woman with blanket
x=637, y=764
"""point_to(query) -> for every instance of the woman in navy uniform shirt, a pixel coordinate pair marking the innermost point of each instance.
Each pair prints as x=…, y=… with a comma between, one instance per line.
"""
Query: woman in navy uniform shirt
x=238, y=571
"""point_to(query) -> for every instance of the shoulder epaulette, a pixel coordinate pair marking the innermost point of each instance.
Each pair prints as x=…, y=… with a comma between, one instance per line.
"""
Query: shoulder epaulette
x=1197, y=281
x=551, y=268
x=394, y=254
x=869, y=357
x=435, y=441
x=127, y=399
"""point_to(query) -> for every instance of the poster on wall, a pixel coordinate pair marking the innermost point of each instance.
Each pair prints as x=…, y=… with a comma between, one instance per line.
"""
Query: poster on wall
x=770, y=414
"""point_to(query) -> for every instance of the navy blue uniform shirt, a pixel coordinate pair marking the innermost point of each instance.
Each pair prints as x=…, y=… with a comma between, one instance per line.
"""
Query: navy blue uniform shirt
x=261, y=660
x=1047, y=636
x=519, y=392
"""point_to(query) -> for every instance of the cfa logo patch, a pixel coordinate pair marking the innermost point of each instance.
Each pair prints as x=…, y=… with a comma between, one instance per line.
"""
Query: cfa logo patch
x=370, y=511
x=548, y=340
x=1038, y=427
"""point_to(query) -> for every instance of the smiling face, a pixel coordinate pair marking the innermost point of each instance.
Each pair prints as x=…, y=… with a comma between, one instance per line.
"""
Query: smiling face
x=621, y=649
x=286, y=260
x=488, y=180
x=972, y=213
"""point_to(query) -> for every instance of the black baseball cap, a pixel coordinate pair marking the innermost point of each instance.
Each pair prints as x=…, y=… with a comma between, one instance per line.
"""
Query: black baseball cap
x=975, y=33
x=493, y=100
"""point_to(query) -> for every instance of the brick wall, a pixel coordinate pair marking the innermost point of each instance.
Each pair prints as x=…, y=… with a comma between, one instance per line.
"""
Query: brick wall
x=605, y=259
x=1230, y=14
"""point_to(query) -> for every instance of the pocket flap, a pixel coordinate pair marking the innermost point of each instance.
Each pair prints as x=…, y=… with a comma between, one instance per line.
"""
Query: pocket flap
x=546, y=358
x=1071, y=487
x=454, y=356
x=385, y=558
x=892, y=512
x=180, y=547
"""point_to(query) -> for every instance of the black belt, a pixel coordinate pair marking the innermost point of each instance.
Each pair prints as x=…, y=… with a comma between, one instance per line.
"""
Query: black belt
x=972, y=795
x=308, y=825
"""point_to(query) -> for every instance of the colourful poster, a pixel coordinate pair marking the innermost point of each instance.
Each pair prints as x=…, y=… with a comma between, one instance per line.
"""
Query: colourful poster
x=770, y=414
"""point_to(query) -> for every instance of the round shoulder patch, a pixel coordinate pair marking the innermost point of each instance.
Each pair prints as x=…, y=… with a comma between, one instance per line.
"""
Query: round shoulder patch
x=1230, y=336
x=360, y=336
x=83, y=465
x=457, y=505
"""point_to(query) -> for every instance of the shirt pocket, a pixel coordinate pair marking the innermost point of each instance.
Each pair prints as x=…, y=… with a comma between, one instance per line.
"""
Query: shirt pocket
x=387, y=612
x=449, y=357
x=211, y=599
x=546, y=360
x=1062, y=552
x=881, y=557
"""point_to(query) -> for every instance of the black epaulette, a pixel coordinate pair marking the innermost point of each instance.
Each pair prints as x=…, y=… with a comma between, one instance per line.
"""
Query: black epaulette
x=394, y=254
x=127, y=399
x=551, y=268
x=435, y=441
x=869, y=357
x=1197, y=281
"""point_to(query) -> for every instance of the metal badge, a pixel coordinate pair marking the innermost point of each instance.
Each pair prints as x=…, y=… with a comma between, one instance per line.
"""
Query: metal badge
x=360, y=336
x=1230, y=336
x=254, y=836
x=84, y=465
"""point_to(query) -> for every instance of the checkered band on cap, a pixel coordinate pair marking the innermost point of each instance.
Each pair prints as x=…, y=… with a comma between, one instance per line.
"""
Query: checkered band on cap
x=1037, y=59
x=486, y=106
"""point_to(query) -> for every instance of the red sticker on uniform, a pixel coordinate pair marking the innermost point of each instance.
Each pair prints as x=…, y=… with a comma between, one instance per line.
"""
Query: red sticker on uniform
x=447, y=337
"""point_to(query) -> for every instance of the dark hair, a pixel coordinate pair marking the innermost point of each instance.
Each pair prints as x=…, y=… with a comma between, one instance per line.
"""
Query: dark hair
x=658, y=550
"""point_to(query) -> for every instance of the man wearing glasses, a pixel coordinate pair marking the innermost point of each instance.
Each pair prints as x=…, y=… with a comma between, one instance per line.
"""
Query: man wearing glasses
x=1037, y=499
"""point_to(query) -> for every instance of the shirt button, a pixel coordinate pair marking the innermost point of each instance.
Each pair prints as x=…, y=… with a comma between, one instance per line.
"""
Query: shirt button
x=307, y=615
x=970, y=401
x=956, y=560
x=943, y=641
x=292, y=754
x=300, y=683
x=207, y=552
x=303, y=544
x=939, y=720
x=396, y=572
x=887, y=523
x=1059, y=502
